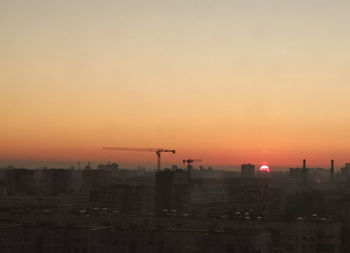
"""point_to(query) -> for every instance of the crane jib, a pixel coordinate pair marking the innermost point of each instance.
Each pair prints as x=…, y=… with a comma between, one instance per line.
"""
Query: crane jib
x=156, y=150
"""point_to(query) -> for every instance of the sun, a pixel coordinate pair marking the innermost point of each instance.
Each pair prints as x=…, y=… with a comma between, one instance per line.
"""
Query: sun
x=264, y=168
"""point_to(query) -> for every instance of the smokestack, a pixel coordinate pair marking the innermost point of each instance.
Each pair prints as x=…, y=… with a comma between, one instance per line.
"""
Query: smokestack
x=332, y=170
x=304, y=171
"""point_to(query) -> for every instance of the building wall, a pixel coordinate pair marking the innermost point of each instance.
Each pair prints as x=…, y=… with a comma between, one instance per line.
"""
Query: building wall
x=57, y=181
x=172, y=190
x=19, y=181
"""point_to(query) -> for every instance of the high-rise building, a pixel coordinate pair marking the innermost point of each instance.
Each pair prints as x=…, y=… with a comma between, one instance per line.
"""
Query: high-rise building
x=19, y=181
x=94, y=182
x=57, y=181
x=172, y=189
x=346, y=169
x=247, y=170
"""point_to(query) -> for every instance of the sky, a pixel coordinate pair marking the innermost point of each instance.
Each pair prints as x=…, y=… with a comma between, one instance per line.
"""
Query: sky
x=225, y=81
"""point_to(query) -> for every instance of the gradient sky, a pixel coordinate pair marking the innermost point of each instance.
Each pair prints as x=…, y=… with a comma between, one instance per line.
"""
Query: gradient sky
x=225, y=81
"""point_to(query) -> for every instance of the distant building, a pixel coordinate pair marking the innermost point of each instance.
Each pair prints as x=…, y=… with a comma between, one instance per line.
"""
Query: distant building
x=109, y=167
x=172, y=189
x=345, y=171
x=94, y=183
x=57, y=181
x=301, y=175
x=247, y=170
x=19, y=182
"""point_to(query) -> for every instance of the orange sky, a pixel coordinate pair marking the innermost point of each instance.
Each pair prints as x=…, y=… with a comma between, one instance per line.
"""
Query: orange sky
x=225, y=81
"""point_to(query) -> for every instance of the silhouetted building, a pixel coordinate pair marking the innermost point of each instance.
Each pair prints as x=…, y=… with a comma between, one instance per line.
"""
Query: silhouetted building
x=19, y=182
x=94, y=183
x=299, y=174
x=172, y=190
x=57, y=181
x=108, y=167
x=247, y=170
x=345, y=171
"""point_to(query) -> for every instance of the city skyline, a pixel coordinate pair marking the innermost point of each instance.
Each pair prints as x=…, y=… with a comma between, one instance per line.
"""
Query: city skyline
x=166, y=164
x=229, y=82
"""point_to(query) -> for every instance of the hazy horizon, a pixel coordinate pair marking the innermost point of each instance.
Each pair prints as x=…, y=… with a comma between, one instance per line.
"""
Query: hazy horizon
x=149, y=166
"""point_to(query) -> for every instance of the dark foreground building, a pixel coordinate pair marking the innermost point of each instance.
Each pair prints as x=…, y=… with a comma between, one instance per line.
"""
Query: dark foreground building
x=129, y=239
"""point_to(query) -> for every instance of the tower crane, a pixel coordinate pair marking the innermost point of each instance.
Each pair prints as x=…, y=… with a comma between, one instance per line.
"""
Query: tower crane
x=190, y=161
x=158, y=151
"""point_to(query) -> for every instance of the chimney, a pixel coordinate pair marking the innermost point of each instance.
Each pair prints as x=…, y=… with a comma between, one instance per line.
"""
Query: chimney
x=304, y=171
x=332, y=170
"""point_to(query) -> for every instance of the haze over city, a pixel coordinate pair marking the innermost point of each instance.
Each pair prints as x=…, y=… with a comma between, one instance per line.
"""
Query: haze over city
x=226, y=81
